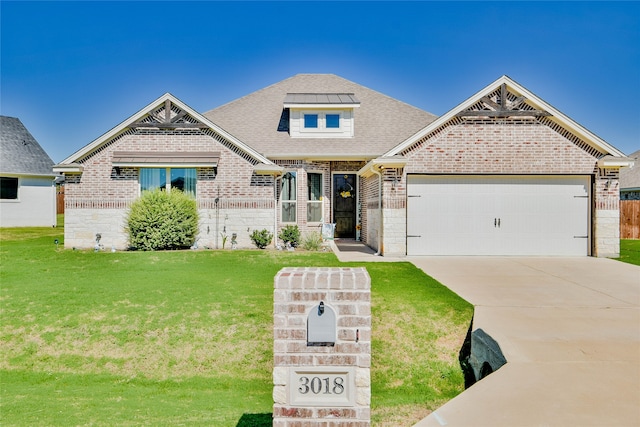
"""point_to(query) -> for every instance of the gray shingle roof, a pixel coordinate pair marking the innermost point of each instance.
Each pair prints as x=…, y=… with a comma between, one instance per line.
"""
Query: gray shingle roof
x=381, y=122
x=630, y=177
x=20, y=153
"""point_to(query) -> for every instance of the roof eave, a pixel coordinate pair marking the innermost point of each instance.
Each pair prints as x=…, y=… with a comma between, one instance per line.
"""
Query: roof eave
x=610, y=161
x=68, y=168
x=381, y=163
x=268, y=169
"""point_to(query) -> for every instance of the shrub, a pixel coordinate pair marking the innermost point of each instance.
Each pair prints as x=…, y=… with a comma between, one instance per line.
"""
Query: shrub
x=312, y=241
x=261, y=238
x=162, y=220
x=290, y=234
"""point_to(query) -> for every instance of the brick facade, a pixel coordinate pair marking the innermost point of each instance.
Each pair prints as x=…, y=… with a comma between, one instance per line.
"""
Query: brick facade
x=97, y=200
x=475, y=144
x=502, y=146
x=297, y=292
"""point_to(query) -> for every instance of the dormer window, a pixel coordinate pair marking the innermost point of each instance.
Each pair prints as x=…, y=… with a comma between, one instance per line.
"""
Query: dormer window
x=310, y=121
x=332, y=121
x=321, y=115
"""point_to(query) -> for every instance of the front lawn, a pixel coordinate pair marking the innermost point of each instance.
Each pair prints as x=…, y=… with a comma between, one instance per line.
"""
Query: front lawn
x=630, y=251
x=185, y=337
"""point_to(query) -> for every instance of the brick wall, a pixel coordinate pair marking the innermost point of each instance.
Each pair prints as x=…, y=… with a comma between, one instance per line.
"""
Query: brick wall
x=506, y=146
x=97, y=200
x=297, y=292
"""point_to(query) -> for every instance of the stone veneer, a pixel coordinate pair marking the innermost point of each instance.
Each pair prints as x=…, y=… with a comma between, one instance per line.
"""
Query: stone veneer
x=297, y=292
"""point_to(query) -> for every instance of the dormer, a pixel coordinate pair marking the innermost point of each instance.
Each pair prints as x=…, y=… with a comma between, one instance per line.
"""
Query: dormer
x=321, y=115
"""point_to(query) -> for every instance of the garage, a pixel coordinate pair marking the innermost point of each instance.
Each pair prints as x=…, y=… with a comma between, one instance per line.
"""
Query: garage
x=498, y=215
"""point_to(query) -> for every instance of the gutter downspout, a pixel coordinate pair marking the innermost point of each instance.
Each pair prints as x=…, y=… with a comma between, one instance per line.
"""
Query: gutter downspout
x=378, y=253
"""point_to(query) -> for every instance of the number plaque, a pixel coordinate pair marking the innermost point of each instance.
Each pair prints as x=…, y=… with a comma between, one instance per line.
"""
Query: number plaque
x=322, y=386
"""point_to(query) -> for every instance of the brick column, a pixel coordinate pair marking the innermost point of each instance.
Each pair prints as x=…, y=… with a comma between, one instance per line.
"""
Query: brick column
x=319, y=385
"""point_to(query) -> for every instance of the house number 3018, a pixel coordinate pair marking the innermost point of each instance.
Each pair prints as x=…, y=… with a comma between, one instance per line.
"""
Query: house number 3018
x=317, y=385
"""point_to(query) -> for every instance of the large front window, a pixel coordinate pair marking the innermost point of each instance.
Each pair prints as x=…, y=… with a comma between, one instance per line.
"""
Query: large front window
x=183, y=179
x=288, y=197
x=314, y=197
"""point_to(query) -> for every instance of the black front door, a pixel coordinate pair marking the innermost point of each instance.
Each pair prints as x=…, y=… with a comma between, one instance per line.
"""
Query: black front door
x=344, y=205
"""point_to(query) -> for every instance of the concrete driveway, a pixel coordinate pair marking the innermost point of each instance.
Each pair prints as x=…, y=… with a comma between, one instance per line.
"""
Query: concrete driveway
x=569, y=329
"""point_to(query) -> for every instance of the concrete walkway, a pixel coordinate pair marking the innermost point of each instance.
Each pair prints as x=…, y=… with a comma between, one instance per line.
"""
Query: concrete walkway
x=569, y=329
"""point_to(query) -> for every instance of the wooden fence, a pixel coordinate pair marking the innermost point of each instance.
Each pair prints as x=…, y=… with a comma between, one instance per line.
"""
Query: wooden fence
x=630, y=219
x=60, y=200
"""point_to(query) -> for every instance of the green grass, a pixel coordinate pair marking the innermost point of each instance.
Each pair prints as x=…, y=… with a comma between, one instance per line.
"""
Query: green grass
x=185, y=337
x=630, y=251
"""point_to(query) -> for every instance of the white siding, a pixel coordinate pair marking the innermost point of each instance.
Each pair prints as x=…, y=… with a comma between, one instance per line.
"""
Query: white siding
x=35, y=206
x=296, y=124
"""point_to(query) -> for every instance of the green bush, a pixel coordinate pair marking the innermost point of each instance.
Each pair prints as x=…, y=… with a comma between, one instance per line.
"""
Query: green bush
x=312, y=241
x=290, y=234
x=261, y=238
x=162, y=220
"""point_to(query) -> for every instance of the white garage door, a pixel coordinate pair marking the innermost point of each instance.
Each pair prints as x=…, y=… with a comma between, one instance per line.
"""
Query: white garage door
x=498, y=215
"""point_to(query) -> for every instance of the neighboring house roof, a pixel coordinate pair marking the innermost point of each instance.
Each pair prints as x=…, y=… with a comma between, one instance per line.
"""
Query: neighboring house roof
x=380, y=122
x=630, y=177
x=71, y=163
x=20, y=153
x=526, y=101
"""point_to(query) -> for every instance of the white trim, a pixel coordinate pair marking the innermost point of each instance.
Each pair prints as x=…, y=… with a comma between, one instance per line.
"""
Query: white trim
x=321, y=201
x=615, y=162
x=532, y=99
x=382, y=163
x=294, y=201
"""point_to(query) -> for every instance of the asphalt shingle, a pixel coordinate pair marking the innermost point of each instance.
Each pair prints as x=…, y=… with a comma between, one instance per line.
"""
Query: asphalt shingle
x=381, y=122
x=20, y=153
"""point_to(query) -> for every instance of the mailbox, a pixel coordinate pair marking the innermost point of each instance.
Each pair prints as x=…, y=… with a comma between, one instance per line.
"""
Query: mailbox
x=321, y=326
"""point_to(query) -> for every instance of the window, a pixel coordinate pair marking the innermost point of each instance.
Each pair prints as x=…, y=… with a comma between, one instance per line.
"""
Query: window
x=314, y=197
x=183, y=179
x=310, y=121
x=288, y=197
x=332, y=121
x=8, y=188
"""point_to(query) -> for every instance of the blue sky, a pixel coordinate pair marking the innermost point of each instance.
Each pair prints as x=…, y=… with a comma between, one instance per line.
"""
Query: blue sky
x=73, y=70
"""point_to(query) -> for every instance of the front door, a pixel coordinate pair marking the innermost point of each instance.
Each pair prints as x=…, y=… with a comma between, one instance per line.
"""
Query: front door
x=344, y=205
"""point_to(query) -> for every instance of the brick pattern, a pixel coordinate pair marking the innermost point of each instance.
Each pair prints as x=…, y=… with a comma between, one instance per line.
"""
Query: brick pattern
x=302, y=167
x=298, y=291
x=233, y=182
x=499, y=146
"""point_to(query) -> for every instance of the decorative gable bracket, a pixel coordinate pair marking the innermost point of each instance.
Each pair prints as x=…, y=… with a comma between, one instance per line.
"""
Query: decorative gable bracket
x=167, y=117
x=503, y=106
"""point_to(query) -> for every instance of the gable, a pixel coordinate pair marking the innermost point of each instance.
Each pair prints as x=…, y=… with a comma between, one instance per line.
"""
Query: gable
x=167, y=113
x=506, y=99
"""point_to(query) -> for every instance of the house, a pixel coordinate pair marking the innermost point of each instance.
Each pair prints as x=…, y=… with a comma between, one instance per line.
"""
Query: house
x=503, y=173
x=27, y=188
x=630, y=180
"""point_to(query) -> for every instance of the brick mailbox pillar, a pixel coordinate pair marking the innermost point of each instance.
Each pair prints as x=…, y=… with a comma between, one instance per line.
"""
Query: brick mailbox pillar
x=322, y=347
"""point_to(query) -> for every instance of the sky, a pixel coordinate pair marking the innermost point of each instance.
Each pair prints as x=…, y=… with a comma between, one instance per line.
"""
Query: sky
x=71, y=71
